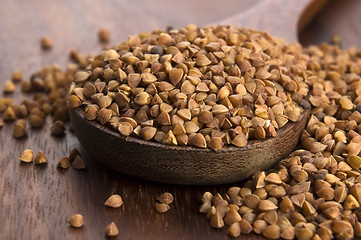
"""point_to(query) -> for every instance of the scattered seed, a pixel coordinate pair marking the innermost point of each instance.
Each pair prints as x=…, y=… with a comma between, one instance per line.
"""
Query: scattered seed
x=27, y=156
x=111, y=230
x=8, y=87
x=64, y=163
x=40, y=158
x=165, y=198
x=76, y=220
x=114, y=201
x=73, y=154
x=104, y=35
x=161, y=207
x=57, y=128
x=16, y=76
x=19, y=129
x=78, y=163
x=46, y=43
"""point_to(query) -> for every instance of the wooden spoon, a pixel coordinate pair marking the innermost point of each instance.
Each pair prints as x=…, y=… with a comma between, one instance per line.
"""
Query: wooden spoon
x=193, y=166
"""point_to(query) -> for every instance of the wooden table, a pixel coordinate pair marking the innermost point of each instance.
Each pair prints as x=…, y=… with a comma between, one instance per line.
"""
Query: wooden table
x=36, y=201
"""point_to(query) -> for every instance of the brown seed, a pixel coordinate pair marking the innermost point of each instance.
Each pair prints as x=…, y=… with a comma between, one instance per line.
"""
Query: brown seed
x=355, y=190
x=76, y=220
x=27, y=156
x=234, y=230
x=354, y=161
x=231, y=217
x=205, y=207
x=327, y=193
x=142, y=98
x=184, y=113
x=165, y=198
x=277, y=192
x=182, y=139
x=162, y=207
x=202, y=61
x=175, y=75
x=205, y=117
x=104, y=115
x=191, y=127
x=111, y=55
x=342, y=229
x=187, y=87
x=351, y=203
x=148, y=78
x=8, y=87
x=114, y=201
x=219, y=109
x=64, y=163
x=111, y=230
x=164, y=119
x=105, y=101
x=5, y=103
x=19, y=129
x=259, y=132
x=198, y=140
x=147, y=133
x=73, y=153
x=165, y=86
x=26, y=86
x=104, y=35
x=271, y=217
x=302, y=232
x=215, y=143
x=308, y=209
x=216, y=221
x=286, y=204
x=240, y=140
x=266, y=205
x=16, y=76
x=272, y=232
x=40, y=158
x=179, y=129
x=81, y=77
x=252, y=201
x=273, y=178
x=74, y=101
x=57, y=128
x=78, y=163
x=346, y=103
x=9, y=114
x=170, y=138
x=90, y=113
x=164, y=39
x=37, y=119
x=46, y=43
x=246, y=227
x=299, y=188
x=259, y=225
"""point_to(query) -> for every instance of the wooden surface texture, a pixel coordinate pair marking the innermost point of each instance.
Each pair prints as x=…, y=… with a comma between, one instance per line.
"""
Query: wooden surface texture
x=36, y=201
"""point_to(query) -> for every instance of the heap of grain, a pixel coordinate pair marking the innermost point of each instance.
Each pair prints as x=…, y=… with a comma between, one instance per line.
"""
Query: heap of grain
x=202, y=87
x=314, y=193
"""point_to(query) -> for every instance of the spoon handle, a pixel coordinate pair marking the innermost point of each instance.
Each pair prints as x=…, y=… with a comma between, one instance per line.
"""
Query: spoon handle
x=281, y=18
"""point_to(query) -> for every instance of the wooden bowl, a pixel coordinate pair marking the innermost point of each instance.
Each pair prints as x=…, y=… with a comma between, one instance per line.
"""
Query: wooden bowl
x=183, y=165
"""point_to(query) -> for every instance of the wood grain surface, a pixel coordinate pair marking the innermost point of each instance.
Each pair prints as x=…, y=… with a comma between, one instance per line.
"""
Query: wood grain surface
x=36, y=201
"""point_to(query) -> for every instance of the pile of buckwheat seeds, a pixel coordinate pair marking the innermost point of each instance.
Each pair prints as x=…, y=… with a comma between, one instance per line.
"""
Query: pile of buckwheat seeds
x=314, y=193
x=214, y=87
x=203, y=87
